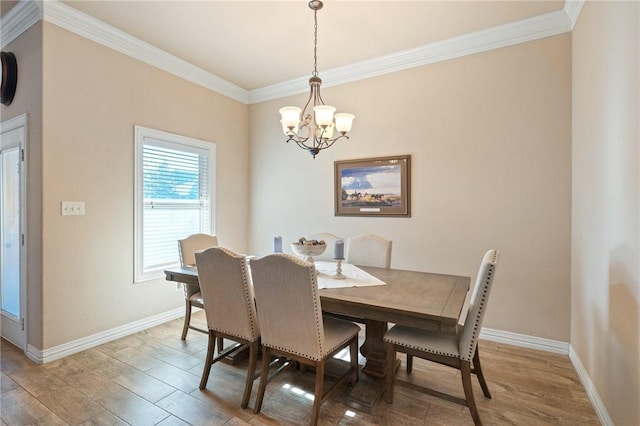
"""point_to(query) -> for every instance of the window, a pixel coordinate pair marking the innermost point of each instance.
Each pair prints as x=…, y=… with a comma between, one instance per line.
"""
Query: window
x=174, y=180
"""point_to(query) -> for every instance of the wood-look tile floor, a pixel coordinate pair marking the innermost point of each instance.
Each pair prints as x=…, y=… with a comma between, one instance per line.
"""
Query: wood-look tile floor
x=152, y=378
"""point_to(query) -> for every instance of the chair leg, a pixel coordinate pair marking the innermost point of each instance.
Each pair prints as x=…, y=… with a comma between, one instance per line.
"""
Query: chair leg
x=477, y=368
x=209, y=361
x=220, y=344
x=465, y=371
x=317, y=399
x=264, y=373
x=187, y=319
x=389, y=381
x=353, y=355
x=409, y=363
x=253, y=359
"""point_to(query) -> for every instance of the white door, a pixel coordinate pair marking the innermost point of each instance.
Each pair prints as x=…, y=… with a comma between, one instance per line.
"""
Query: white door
x=12, y=251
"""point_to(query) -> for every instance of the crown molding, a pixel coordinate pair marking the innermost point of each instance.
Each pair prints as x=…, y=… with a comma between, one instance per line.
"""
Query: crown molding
x=26, y=13
x=87, y=26
x=529, y=29
x=573, y=8
x=18, y=20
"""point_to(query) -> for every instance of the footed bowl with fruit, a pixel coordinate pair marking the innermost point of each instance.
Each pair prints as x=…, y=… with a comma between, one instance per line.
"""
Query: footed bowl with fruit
x=308, y=248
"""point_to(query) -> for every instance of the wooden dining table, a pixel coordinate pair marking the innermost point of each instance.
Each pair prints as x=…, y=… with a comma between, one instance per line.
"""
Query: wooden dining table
x=423, y=300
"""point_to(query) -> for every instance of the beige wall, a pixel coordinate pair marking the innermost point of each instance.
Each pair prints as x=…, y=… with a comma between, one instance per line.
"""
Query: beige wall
x=28, y=99
x=605, y=331
x=92, y=98
x=489, y=135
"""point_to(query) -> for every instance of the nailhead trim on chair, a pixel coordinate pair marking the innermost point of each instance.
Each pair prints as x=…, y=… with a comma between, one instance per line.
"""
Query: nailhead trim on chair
x=312, y=357
x=420, y=348
x=483, y=301
x=253, y=339
x=317, y=310
x=300, y=354
x=476, y=320
x=247, y=296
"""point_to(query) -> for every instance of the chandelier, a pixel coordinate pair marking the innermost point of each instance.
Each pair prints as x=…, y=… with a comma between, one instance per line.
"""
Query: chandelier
x=315, y=131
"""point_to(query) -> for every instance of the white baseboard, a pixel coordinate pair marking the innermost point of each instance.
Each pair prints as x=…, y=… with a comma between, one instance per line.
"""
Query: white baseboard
x=79, y=345
x=590, y=388
x=525, y=341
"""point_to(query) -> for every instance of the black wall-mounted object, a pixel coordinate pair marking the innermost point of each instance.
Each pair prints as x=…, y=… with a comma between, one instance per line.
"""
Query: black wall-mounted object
x=9, y=77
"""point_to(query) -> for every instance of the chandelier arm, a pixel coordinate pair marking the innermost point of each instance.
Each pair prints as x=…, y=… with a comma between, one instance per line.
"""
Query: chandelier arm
x=304, y=110
x=330, y=142
x=298, y=139
x=319, y=97
x=301, y=144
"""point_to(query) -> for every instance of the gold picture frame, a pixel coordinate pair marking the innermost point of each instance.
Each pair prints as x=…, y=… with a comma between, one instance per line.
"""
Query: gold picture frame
x=373, y=186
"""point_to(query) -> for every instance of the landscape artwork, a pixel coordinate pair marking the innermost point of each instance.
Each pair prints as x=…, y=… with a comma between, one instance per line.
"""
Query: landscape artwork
x=373, y=186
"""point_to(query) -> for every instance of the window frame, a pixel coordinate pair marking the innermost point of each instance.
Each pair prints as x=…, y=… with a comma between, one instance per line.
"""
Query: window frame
x=143, y=136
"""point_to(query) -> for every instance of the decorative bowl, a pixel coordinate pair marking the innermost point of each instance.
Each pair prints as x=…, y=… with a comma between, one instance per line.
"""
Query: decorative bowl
x=308, y=250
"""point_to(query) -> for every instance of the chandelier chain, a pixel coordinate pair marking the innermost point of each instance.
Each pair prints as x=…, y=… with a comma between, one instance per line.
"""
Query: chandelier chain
x=315, y=43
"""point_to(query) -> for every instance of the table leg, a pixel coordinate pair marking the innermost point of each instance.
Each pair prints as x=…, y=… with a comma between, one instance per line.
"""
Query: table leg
x=370, y=387
x=373, y=349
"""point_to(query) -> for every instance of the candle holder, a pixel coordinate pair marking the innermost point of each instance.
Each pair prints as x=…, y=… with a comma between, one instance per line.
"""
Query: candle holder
x=338, y=275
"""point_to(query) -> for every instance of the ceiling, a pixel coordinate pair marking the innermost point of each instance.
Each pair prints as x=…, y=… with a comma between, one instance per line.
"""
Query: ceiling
x=255, y=44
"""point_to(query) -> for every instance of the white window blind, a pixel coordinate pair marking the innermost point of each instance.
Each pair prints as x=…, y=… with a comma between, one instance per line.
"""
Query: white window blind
x=173, y=197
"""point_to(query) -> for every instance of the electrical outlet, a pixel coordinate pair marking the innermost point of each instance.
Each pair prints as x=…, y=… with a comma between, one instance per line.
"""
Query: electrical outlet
x=72, y=208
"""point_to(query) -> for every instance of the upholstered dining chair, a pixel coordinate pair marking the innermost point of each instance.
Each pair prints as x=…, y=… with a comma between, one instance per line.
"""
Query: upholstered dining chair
x=330, y=239
x=292, y=324
x=458, y=351
x=369, y=250
x=187, y=248
x=227, y=292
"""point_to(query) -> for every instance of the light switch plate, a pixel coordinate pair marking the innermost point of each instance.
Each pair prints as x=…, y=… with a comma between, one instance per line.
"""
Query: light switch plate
x=72, y=208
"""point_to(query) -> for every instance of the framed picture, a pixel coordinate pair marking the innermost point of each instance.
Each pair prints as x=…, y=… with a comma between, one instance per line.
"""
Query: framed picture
x=373, y=186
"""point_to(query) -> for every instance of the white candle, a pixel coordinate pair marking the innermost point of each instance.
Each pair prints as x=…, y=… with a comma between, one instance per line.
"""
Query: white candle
x=338, y=252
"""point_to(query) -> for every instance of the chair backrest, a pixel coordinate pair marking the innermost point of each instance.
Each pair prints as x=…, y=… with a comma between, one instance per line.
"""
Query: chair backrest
x=369, y=250
x=288, y=305
x=330, y=239
x=477, y=306
x=187, y=247
x=225, y=284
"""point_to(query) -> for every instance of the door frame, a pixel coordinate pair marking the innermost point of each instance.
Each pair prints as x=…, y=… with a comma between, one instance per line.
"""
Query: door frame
x=6, y=126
